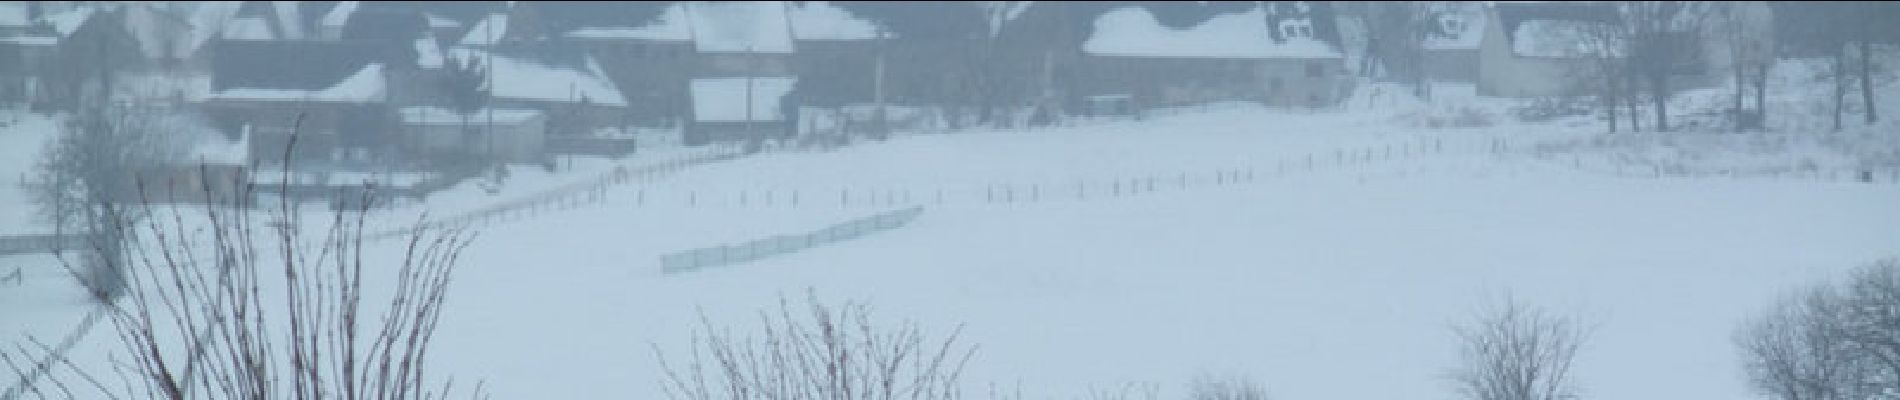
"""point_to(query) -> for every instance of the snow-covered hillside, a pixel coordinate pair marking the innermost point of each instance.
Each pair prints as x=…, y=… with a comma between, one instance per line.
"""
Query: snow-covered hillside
x=1338, y=280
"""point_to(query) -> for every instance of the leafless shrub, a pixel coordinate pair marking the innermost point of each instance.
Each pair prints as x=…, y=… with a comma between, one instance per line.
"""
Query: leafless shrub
x=249, y=301
x=1210, y=387
x=827, y=353
x=1829, y=342
x=1123, y=391
x=1512, y=351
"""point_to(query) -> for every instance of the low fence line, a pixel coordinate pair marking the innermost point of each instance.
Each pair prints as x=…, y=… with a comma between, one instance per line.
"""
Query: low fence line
x=721, y=255
x=568, y=196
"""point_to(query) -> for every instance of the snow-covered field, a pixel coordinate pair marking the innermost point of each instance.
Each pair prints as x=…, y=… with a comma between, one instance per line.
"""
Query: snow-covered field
x=1340, y=282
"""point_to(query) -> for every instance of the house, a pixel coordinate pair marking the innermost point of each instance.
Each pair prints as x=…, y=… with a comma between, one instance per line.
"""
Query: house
x=647, y=53
x=741, y=38
x=562, y=81
x=25, y=53
x=1454, y=35
x=733, y=109
x=1277, y=54
x=507, y=135
x=215, y=171
x=1539, y=49
x=332, y=96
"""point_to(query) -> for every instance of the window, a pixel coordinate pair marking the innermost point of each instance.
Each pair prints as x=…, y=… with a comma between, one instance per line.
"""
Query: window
x=1296, y=28
x=1315, y=70
x=1452, y=25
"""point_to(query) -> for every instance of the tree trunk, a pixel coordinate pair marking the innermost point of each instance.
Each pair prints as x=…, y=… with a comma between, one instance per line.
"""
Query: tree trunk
x=1840, y=83
x=1613, y=92
x=1659, y=98
x=1735, y=111
x=1630, y=98
x=1761, y=95
x=1867, y=82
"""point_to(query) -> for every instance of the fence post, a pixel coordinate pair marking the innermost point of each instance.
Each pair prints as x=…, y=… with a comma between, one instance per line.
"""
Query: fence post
x=1035, y=192
x=692, y=198
x=794, y=198
x=742, y=197
x=844, y=197
x=939, y=196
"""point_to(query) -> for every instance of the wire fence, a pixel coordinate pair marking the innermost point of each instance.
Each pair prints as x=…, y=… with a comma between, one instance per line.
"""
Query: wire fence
x=569, y=196
x=1639, y=169
x=1080, y=189
x=728, y=254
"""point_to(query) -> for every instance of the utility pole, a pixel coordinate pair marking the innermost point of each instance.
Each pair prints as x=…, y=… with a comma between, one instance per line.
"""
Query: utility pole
x=877, y=86
x=750, y=70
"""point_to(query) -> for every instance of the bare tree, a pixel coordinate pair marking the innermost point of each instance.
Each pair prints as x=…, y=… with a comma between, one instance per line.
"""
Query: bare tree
x=1792, y=352
x=1513, y=351
x=830, y=352
x=84, y=180
x=1209, y=387
x=1664, y=36
x=1869, y=319
x=240, y=300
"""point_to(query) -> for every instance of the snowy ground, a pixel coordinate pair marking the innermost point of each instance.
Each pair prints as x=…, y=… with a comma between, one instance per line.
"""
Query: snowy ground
x=1334, y=283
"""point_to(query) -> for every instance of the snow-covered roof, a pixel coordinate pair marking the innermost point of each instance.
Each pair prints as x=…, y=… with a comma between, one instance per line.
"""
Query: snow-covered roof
x=740, y=26
x=724, y=99
x=428, y=53
x=289, y=19
x=247, y=28
x=516, y=78
x=1460, y=28
x=340, y=14
x=68, y=22
x=365, y=86
x=13, y=13
x=1134, y=32
x=444, y=116
x=437, y=21
x=821, y=20
x=1561, y=38
x=671, y=25
x=209, y=20
x=487, y=31
x=31, y=40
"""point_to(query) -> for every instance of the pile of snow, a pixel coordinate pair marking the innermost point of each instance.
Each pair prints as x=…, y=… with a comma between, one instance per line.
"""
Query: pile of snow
x=821, y=20
x=365, y=86
x=729, y=99
x=740, y=26
x=1134, y=32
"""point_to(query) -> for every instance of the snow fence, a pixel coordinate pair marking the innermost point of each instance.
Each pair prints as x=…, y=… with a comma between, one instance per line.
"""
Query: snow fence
x=696, y=259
